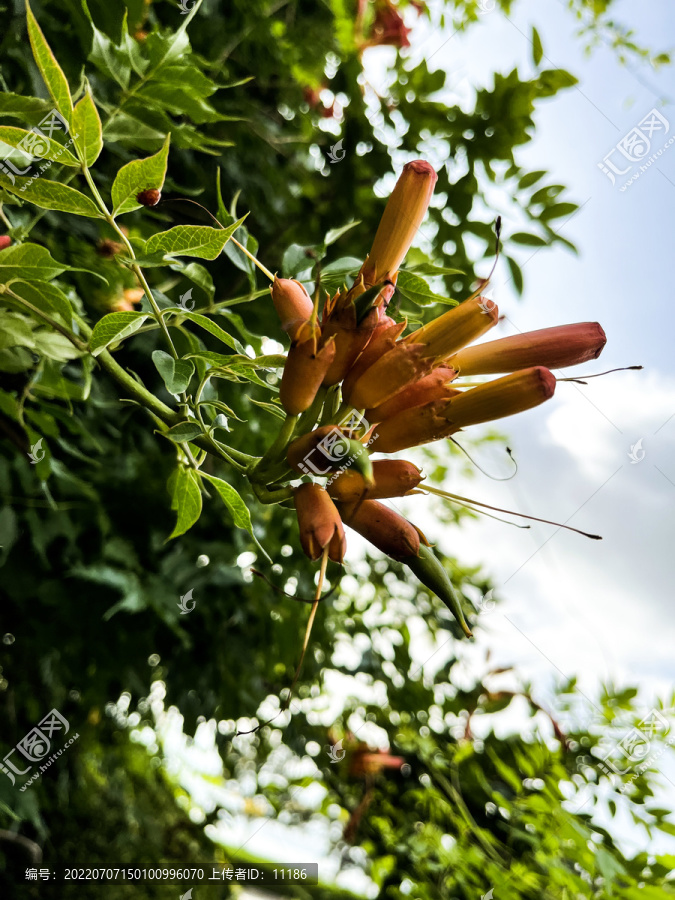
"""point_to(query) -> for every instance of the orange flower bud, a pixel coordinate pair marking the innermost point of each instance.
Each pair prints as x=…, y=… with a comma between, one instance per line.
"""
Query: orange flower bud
x=383, y=339
x=412, y=427
x=392, y=372
x=391, y=478
x=555, y=348
x=5, y=241
x=455, y=329
x=319, y=522
x=292, y=303
x=306, y=366
x=495, y=400
x=383, y=527
x=322, y=451
x=500, y=398
x=403, y=215
x=350, y=338
x=432, y=387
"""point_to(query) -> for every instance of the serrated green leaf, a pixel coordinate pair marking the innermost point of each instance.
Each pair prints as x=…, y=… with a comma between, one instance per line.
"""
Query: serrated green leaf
x=236, y=506
x=176, y=373
x=201, y=241
x=184, y=431
x=186, y=500
x=87, y=127
x=28, y=261
x=137, y=176
x=113, y=328
x=40, y=146
x=52, y=195
x=46, y=297
x=531, y=240
x=213, y=329
x=51, y=71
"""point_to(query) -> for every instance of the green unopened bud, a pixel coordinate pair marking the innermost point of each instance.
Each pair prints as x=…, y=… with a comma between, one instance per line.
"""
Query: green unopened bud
x=432, y=575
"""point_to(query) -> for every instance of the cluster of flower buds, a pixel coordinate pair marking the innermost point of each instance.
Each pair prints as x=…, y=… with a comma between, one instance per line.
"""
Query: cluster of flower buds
x=407, y=388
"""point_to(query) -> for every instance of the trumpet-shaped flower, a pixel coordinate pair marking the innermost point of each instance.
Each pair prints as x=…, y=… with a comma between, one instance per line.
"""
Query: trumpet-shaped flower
x=319, y=522
x=555, y=348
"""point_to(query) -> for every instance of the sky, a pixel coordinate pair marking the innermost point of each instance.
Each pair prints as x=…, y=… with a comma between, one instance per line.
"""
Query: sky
x=600, y=457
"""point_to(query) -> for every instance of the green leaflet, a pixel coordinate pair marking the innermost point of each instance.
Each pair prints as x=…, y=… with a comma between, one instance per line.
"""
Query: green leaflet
x=51, y=71
x=186, y=499
x=87, y=127
x=139, y=175
x=201, y=241
x=113, y=328
x=28, y=261
x=37, y=145
x=237, y=507
x=176, y=373
x=52, y=195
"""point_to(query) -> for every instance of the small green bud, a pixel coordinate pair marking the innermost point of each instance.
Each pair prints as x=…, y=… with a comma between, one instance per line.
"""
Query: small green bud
x=432, y=575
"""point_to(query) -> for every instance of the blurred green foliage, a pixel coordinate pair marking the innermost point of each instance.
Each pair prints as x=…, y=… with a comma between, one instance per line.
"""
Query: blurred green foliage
x=254, y=95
